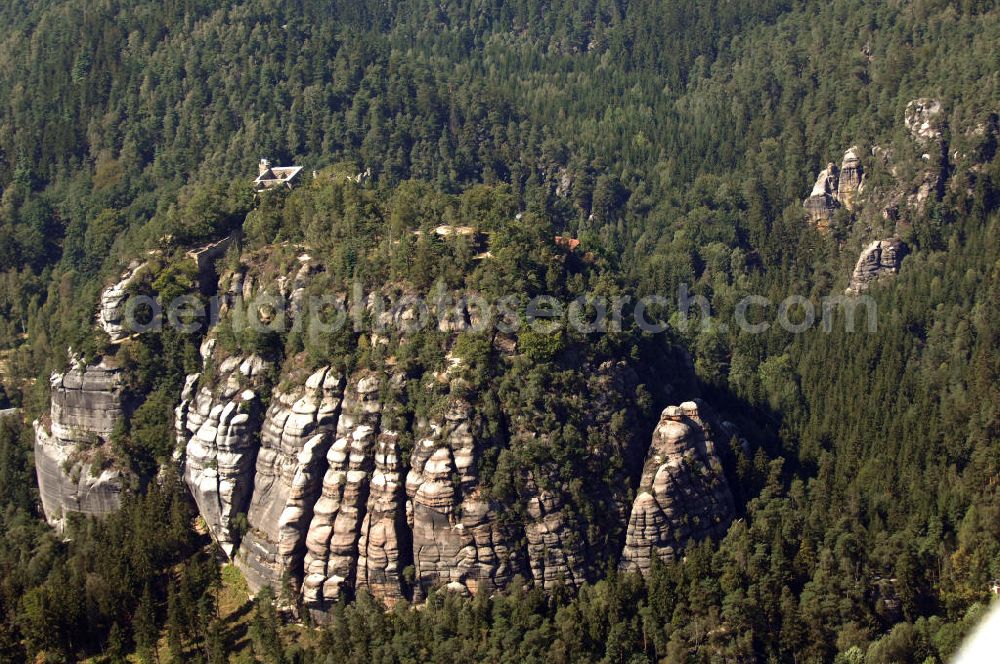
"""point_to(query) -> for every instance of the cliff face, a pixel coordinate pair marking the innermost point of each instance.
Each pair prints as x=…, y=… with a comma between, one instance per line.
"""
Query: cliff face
x=333, y=507
x=456, y=534
x=835, y=188
x=822, y=201
x=111, y=312
x=220, y=422
x=71, y=449
x=881, y=258
x=323, y=484
x=683, y=494
x=851, y=179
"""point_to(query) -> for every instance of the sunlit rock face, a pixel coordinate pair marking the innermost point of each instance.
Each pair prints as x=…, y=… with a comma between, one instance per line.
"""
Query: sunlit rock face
x=880, y=259
x=333, y=538
x=219, y=422
x=395, y=479
x=72, y=459
x=295, y=437
x=835, y=188
x=111, y=313
x=851, y=179
x=384, y=549
x=683, y=494
x=822, y=201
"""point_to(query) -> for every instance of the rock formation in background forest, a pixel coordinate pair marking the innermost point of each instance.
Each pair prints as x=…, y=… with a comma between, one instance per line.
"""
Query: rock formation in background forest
x=835, y=188
x=881, y=258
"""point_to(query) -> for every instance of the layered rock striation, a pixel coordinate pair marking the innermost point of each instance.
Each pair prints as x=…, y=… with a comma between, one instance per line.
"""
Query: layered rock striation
x=333, y=538
x=822, y=200
x=218, y=423
x=851, y=178
x=457, y=538
x=380, y=478
x=295, y=438
x=71, y=457
x=683, y=493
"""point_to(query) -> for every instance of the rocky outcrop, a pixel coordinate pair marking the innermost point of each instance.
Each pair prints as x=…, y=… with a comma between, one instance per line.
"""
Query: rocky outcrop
x=881, y=258
x=683, y=494
x=822, y=202
x=384, y=549
x=333, y=539
x=72, y=459
x=205, y=258
x=456, y=535
x=295, y=437
x=335, y=485
x=219, y=423
x=334, y=505
x=835, y=188
x=923, y=118
x=851, y=178
x=111, y=314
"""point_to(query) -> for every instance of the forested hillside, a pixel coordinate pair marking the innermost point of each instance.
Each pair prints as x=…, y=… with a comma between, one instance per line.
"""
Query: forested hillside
x=676, y=141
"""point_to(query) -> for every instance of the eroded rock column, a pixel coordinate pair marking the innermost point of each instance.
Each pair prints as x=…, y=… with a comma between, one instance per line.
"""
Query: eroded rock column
x=683, y=493
x=296, y=435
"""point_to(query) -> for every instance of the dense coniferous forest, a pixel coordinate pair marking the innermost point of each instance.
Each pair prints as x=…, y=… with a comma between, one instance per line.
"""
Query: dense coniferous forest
x=676, y=140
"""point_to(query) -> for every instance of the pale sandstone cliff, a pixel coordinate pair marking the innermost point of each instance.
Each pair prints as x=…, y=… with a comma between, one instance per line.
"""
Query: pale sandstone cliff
x=683, y=493
x=323, y=483
x=86, y=405
x=325, y=490
x=835, y=188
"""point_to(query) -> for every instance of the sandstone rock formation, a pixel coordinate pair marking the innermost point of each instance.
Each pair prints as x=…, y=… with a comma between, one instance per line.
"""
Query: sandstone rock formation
x=333, y=539
x=385, y=549
x=86, y=405
x=879, y=259
x=851, y=178
x=456, y=536
x=219, y=421
x=111, y=315
x=683, y=494
x=323, y=485
x=835, y=188
x=555, y=554
x=923, y=119
x=822, y=202
x=295, y=437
